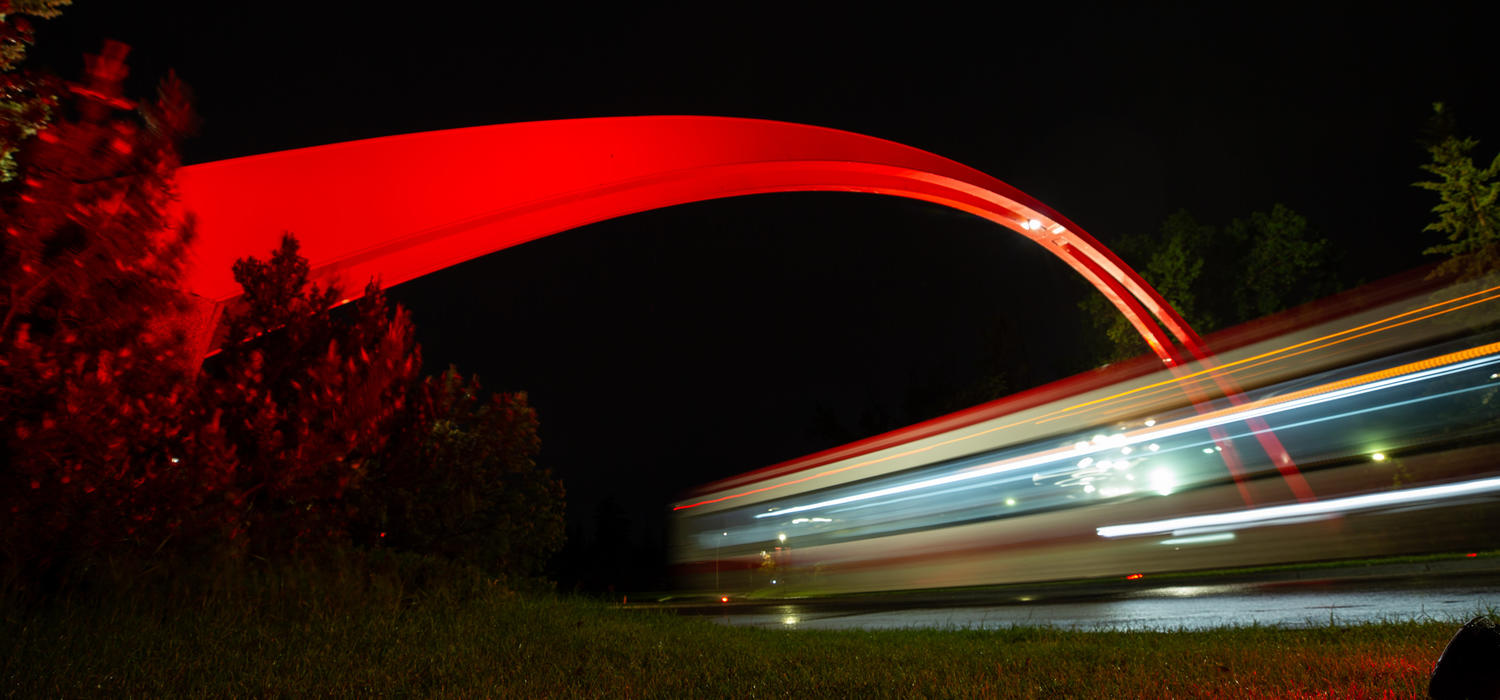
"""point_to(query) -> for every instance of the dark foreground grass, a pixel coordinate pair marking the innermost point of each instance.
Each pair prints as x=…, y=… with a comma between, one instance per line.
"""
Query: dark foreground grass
x=358, y=639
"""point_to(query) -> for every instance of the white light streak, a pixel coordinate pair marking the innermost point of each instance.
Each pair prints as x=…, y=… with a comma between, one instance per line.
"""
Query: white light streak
x=1199, y=539
x=1101, y=442
x=1298, y=510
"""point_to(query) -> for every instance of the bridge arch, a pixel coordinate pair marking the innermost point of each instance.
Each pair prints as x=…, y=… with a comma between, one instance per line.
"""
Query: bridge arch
x=400, y=207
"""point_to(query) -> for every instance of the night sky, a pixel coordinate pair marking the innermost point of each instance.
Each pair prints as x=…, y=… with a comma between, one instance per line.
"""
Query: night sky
x=674, y=347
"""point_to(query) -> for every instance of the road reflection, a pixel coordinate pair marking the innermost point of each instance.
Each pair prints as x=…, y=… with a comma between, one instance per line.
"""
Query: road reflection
x=1448, y=598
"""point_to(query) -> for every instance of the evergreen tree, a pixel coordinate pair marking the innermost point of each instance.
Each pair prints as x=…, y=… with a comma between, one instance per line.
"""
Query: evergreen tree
x=462, y=481
x=306, y=397
x=91, y=378
x=111, y=438
x=1468, y=212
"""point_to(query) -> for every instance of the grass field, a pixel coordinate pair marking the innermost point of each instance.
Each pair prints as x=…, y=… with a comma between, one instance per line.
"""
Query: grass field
x=359, y=636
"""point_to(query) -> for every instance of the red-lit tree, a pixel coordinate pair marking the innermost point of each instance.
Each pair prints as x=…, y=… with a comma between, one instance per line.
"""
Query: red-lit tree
x=91, y=377
x=111, y=438
x=306, y=398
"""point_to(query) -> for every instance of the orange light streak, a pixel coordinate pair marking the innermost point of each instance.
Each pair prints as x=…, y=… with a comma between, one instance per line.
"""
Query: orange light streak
x=1259, y=359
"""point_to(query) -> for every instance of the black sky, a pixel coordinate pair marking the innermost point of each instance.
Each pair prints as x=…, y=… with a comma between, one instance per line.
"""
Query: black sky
x=678, y=346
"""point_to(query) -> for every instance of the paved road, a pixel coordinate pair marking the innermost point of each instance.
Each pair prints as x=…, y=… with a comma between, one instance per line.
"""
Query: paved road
x=1447, y=596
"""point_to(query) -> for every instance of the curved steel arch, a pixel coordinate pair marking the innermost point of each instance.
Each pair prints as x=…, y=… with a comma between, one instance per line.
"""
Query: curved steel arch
x=399, y=207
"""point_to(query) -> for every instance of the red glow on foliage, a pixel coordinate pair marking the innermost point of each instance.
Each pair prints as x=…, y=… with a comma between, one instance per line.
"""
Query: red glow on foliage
x=1472, y=555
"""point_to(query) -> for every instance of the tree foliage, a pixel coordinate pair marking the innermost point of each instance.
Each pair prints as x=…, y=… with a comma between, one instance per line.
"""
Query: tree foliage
x=1285, y=264
x=27, y=98
x=113, y=441
x=306, y=398
x=1219, y=276
x=462, y=481
x=1468, y=211
x=92, y=380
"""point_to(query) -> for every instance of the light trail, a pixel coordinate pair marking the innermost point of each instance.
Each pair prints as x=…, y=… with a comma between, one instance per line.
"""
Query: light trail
x=1363, y=330
x=1266, y=358
x=1278, y=514
x=1421, y=370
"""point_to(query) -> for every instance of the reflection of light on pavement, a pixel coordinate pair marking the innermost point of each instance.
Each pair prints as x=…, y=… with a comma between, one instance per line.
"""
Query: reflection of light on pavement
x=1190, y=591
x=1276, y=514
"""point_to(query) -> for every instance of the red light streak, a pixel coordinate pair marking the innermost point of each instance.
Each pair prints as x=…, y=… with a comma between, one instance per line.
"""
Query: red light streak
x=1133, y=577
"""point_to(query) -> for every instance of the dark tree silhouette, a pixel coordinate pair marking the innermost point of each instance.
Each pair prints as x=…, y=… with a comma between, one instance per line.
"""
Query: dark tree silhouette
x=462, y=481
x=1219, y=276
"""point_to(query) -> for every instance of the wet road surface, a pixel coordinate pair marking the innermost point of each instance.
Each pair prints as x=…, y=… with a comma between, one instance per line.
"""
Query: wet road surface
x=1301, y=603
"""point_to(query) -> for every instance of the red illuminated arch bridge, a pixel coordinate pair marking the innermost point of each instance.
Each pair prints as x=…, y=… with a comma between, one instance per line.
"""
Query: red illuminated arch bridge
x=399, y=207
